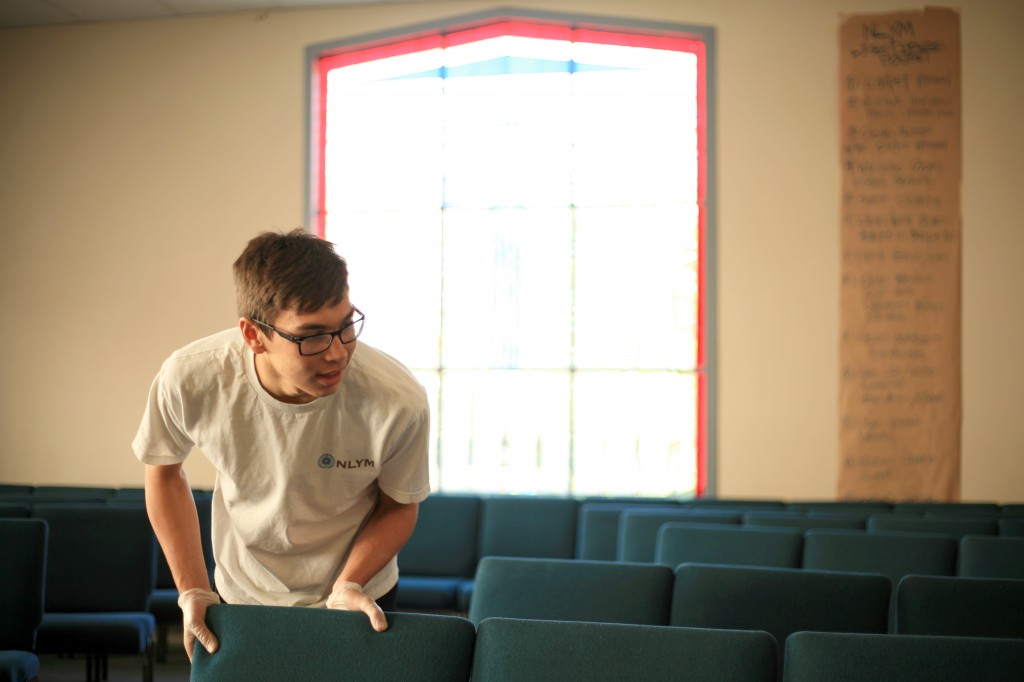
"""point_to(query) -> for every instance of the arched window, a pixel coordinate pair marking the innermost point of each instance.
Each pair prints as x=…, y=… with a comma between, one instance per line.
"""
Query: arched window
x=523, y=203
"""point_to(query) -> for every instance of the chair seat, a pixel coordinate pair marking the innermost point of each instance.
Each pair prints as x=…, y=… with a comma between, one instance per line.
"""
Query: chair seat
x=18, y=666
x=95, y=633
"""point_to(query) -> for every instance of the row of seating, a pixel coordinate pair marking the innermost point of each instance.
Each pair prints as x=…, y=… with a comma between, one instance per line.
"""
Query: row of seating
x=780, y=601
x=93, y=568
x=455, y=531
x=274, y=643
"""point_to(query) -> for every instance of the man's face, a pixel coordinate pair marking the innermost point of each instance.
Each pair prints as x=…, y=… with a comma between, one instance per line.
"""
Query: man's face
x=284, y=372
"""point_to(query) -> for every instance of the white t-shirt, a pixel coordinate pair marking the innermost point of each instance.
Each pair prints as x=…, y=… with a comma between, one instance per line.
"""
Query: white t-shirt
x=295, y=483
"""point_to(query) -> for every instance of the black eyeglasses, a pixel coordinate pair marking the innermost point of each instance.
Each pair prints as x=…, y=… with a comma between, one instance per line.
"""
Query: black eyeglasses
x=315, y=344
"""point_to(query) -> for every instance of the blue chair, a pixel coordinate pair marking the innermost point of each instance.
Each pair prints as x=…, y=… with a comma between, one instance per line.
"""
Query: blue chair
x=441, y=555
x=848, y=657
x=100, y=574
x=779, y=601
x=511, y=650
x=22, y=584
x=991, y=557
x=571, y=589
x=638, y=528
x=960, y=607
x=294, y=643
x=680, y=543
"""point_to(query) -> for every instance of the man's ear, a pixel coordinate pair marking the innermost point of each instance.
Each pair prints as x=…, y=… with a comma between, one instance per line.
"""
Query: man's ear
x=252, y=336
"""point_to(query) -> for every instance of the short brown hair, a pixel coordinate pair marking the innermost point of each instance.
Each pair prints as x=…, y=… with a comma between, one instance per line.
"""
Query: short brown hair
x=279, y=271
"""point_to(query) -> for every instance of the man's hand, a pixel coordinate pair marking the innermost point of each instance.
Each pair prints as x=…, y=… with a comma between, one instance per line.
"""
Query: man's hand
x=193, y=605
x=348, y=596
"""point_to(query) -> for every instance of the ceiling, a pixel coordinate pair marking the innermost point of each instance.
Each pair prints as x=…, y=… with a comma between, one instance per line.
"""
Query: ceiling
x=15, y=13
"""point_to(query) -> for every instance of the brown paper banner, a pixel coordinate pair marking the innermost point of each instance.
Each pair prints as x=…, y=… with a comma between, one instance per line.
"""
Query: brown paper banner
x=899, y=398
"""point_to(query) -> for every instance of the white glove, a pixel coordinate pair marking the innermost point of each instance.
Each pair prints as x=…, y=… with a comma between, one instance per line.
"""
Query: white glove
x=193, y=605
x=349, y=596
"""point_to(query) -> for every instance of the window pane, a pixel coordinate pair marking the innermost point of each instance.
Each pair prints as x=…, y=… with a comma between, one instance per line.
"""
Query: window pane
x=383, y=141
x=395, y=278
x=506, y=123
x=507, y=288
x=635, y=133
x=505, y=431
x=636, y=288
x=634, y=433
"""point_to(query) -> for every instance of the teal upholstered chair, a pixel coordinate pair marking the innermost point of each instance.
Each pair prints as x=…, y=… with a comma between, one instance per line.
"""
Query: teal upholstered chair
x=101, y=568
x=638, y=528
x=441, y=555
x=891, y=554
x=680, y=543
x=955, y=527
x=846, y=657
x=955, y=508
x=865, y=507
x=807, y=520
x=14, y=510
x=22, y=582
x=571, y=589
x=1011, y=526
x=597, y=531
x=991, y=557
x=960, y=607
x=510, y=650
x=525, y=526
x=779, y=601
x=271, y=643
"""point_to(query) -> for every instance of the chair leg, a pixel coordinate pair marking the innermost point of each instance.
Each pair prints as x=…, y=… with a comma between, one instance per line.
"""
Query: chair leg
x=147, y=663
x=161, y=643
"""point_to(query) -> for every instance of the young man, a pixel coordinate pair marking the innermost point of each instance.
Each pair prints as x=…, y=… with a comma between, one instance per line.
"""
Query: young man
x=320, y=450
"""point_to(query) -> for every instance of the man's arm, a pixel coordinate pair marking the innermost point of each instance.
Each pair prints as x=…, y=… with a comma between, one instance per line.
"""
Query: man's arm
x=385, y=533
x=172, y=512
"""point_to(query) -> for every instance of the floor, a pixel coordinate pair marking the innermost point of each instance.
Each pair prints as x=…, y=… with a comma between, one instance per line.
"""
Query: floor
x=119, y=668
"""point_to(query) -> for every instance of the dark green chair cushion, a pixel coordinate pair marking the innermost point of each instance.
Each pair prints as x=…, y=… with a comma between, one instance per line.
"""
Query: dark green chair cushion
x=22, y=580
x=509, y=650
x=638, y=528
x=571, y=589
x=991, y=557
x=279, y=643
x=680, y=543
x=960, y=607
x=779, y=601
x=527, y=526
x=846, y=657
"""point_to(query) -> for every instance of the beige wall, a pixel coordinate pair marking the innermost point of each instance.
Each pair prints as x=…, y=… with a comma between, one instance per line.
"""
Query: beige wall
x=137, y=158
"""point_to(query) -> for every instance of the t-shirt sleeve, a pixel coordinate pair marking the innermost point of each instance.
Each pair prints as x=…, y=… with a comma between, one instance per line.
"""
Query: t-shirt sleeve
x=161, y=438
x=405, y=474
